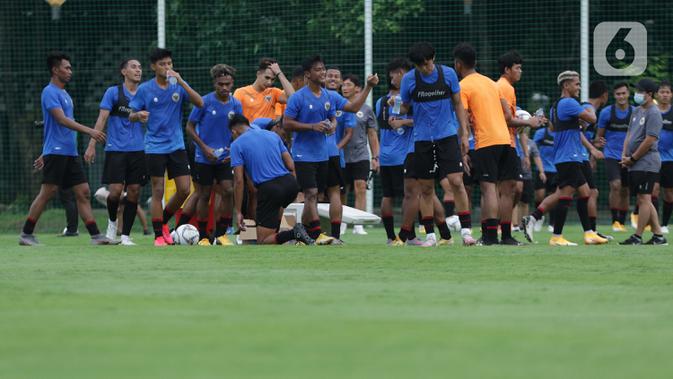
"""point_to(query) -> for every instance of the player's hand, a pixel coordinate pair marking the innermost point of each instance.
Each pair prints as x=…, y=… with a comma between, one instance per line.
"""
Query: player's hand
x=241, y=222
x=143, y=116
x=373, y=80
x=626, y=162
x=375, y=165
x=464, y=144
x=210, y=154
x=396, y=123
x=597, y=154
x=97, y=135
x=90, y=154
x=526, y=164
x=275, y=68
x=391, y=101
x=543, y=177
x=467, y=164
x=600, y=142
x=537, y=121
x=176, y=75
x=38, y=164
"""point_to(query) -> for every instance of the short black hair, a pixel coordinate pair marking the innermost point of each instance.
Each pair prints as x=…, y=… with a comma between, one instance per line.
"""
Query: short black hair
x=238, y=119
x=298, y=73
x=509, y=59
x=597, y=88
x=126, y=61
x=54, y=59
x=264, y=63
x=466, y=54
x=333, y=67
x=309, y=62
x=159, y=54
x=620, y=85
x=421, y=52
x=396, y=64
x=220, y=70
x=353, y=79
x=665, y=83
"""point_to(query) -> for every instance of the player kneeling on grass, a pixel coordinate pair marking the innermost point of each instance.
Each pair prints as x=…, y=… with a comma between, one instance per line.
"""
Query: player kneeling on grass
x=641, y=157
x=262, y=155
x=62, y=167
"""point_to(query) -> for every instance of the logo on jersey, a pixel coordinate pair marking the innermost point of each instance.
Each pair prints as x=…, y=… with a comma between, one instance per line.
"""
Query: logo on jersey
x=339, y=113
x=214, y=112
x=230, y=115
x=175, y=97
x=327, y=106
x=267, y=98
x=360, y=114
x=642, y=121
x=156, y=99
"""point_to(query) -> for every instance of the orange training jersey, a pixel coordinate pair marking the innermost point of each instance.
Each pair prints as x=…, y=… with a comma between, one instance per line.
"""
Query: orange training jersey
x=258, y=104
x=480, y=97
x=507, y=92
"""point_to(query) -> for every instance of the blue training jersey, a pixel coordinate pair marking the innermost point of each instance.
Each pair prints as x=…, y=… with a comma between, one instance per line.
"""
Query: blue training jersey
x=122, y=134
x=58, y=139
x=394, y=144
x=260, y=152
x=567, y=141
x=305, y=107
x=212, y=125
x=614, y=137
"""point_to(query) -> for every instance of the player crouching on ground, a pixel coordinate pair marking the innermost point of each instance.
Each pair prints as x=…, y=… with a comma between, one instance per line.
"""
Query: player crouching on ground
x=262, y=155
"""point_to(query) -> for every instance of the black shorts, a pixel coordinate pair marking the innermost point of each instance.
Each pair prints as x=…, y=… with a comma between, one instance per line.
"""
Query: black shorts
x=666, y=176
x=335, y=175
x=312, y=175
x=176, y=163
x=496, y=163
x=438, y=158
x=206, y=174
x=615, y=171
x=62, y=170
x=527, y=194
x=588, y=174
x=271, y=197
x=392, y=181
x=410, y=167
x=642, y=182
x=192, y=165
x=570, y=174
x=125, y=167
x=356, y=171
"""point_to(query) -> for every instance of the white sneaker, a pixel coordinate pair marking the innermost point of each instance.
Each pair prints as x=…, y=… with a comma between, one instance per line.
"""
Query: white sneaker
x=343, y=228
x=111, y=233
x=126, y=241
x=359, y=230
x=453, y=222
x=664, y=230
x=466, y=235
x=550, y=228
x=431, y=240
x=538, y=224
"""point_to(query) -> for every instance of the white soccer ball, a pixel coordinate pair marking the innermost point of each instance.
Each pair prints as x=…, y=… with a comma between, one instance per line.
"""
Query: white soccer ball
x=522, y=115
x=186, y=234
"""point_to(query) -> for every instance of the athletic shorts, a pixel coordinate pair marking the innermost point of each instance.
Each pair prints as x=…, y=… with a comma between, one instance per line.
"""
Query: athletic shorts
x=356, y=171
x=392, y=181
x=642, y=182
x=410, y=167
x=176, y=163
x=528, y=193
x=570, y=174
x=666, y=176
x=615, y=171
x=62, y=170
x=335, y=175
x=438, y=158
x=125, y=167
x=312, y=175
x=273, y=195
x=588, y=174
x=206, y=174
x=496, y=163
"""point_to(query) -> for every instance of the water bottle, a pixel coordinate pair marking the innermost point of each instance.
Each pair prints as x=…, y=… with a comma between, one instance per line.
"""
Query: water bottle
x=218, y=152
x=397, y=103
x=172, y=80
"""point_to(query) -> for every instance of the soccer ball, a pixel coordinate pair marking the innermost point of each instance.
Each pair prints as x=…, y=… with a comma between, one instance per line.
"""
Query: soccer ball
x=186, y=234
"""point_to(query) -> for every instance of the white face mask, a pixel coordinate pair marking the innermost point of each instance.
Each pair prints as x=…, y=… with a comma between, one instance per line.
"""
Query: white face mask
x=639, y=98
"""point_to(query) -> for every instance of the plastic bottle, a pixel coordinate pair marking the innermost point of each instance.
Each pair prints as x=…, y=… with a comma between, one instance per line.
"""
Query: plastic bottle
x=397, y=104
x=172, y=80
x=218, y=152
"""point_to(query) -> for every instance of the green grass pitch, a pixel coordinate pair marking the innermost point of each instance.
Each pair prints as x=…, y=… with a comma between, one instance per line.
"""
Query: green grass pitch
x=364, y=310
